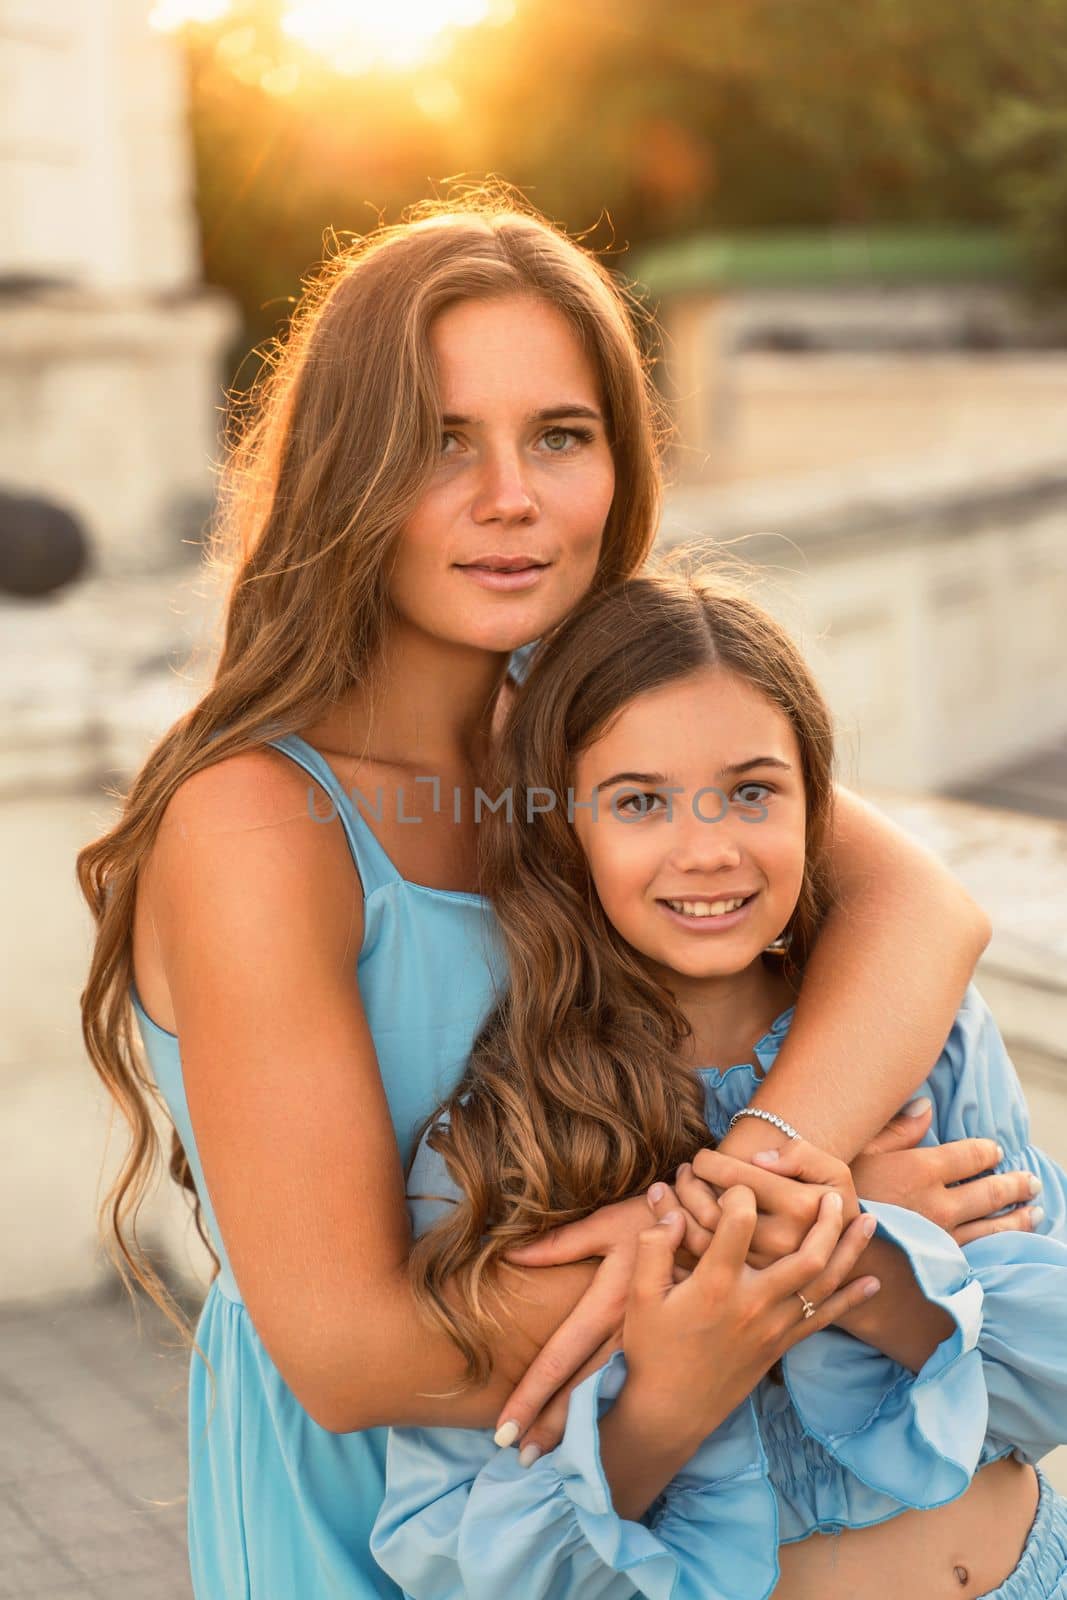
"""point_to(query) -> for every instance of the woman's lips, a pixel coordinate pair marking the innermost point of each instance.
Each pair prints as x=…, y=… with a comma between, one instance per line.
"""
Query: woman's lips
x=495, y=578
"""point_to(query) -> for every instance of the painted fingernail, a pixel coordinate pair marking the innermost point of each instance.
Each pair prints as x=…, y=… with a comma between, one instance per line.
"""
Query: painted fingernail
x=665, y=1221
x=506, y=1434
x=529, y=1454
x=1035, y=1185
x=868, y=1226
x=656, y=1193
x=917, y=1108
x=871, y=1287
x=1000, y=1153
x=833, y=1200
x=1037, y=1216
x=767, y=1155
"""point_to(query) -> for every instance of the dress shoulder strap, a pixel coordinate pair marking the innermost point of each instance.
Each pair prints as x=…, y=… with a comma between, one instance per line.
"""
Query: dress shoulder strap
x=373, y=865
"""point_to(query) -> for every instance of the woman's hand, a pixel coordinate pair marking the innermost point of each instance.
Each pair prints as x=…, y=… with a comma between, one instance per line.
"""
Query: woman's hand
x=943, y=1182
x=536, y=1410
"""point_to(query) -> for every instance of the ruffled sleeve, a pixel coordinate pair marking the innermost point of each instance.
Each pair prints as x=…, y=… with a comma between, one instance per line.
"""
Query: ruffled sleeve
x=461, y=1518
x=1023, y=1340
x=1002, y=1374
x=916, y=1436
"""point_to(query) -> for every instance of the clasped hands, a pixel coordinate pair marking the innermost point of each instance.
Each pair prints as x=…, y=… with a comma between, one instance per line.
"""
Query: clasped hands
x=944, y=1183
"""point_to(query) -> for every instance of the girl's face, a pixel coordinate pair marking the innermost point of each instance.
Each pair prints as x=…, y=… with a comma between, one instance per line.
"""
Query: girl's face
x=507, y=537
x=663, y=873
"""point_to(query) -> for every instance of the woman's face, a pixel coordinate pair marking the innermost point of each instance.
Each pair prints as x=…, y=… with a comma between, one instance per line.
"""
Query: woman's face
x=524, y=481
x=663, y=878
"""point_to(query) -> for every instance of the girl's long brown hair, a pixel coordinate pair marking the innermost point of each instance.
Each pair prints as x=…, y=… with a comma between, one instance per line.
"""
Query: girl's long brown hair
x=575, y=1095
x=322, y=466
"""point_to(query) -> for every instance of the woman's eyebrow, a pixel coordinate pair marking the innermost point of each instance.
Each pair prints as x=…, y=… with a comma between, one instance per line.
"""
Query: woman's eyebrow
x=549, y=414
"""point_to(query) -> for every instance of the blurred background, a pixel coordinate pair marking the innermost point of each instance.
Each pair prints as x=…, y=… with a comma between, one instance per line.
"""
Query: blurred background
x=851, y=225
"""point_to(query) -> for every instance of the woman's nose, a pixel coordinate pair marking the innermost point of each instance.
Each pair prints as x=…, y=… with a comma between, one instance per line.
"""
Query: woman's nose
x=503, y=492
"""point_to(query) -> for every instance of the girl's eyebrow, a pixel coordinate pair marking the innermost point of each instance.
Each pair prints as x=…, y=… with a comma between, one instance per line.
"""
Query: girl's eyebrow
x=632, y=777
x=757, y=761
x=549, y=414
x=724, y=772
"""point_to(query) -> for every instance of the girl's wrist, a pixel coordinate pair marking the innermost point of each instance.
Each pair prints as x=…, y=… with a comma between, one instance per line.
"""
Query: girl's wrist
x=751, y=1135
x=661, y=1421
x=643, y=1445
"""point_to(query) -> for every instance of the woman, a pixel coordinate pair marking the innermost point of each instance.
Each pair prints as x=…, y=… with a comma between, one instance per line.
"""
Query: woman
x=458, y=393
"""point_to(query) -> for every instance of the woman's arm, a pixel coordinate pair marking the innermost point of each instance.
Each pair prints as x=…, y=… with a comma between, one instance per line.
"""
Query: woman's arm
x=880, y=993
x=259, y=917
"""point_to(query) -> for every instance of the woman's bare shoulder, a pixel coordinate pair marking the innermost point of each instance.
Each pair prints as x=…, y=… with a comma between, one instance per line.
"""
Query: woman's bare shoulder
x=251, y=789
x=253, y=831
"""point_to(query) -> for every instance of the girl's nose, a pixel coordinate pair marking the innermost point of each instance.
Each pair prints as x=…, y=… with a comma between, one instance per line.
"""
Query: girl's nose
x=701, y=845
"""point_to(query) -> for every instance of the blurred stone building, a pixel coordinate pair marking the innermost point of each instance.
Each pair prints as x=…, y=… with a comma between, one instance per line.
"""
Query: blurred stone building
x=109, y=346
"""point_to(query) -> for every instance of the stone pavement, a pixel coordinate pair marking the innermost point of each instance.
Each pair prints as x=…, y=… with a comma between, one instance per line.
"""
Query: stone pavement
x=92, y=1453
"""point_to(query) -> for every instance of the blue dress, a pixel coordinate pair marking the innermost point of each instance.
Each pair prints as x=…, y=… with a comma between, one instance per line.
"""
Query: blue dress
x=850, y=1440
x=280, y=1508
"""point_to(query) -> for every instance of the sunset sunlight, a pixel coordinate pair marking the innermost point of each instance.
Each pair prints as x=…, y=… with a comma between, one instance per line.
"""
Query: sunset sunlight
x=350, y=35
x=353, y=36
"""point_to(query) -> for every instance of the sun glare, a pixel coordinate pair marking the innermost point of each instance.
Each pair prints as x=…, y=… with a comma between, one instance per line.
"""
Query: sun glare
x=397, y=33
x=170, y=14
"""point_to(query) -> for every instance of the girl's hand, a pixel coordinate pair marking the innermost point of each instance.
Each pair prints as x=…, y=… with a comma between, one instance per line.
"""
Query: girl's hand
x=695, y=1349
x=788, y=1185
x=920, y=1179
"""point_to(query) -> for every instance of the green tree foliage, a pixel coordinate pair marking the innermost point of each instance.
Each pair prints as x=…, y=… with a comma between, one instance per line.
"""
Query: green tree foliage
x=639, y=121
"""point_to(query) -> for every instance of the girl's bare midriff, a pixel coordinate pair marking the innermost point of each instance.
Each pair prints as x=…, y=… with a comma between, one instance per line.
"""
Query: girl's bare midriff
x=957, y=1552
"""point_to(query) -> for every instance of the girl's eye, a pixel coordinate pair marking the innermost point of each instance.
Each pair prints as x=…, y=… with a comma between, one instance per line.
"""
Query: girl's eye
x=743, y=789
x=444, y=439
x=637, y=804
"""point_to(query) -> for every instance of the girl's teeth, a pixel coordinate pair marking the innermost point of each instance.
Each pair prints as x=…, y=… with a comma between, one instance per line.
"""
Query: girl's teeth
x=704, y=908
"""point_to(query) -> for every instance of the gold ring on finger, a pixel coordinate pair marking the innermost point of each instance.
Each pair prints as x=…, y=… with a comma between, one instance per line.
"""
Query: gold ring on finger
x=809, y=1309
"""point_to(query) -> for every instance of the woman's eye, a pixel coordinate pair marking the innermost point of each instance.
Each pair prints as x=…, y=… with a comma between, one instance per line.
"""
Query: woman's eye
x=583, y=434
x=637, y=804
x=744, y=793
x=559, y=441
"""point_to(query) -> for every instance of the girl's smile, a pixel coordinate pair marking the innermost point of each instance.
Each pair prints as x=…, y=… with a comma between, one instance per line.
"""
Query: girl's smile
x=709, y=916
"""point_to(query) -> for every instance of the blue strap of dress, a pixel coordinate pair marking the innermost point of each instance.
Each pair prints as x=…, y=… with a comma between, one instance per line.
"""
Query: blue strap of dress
x=372, y=863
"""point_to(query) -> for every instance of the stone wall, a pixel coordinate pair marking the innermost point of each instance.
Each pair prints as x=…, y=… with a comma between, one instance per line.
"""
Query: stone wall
x=927, y=590
x=110, y=351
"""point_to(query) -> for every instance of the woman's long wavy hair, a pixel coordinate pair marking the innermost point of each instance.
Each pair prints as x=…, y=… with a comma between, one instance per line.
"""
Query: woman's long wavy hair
x=322, y=465
x=575, y=1095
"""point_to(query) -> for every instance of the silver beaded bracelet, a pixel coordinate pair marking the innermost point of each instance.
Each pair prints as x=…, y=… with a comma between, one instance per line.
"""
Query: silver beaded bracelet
x=765, y=1116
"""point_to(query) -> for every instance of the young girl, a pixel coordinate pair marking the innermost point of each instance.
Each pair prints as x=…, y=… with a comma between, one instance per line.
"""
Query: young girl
x=643, y=920
x=458, y=393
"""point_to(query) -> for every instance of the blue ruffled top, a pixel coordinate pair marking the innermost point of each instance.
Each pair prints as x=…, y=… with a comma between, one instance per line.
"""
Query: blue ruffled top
x=851, y=1439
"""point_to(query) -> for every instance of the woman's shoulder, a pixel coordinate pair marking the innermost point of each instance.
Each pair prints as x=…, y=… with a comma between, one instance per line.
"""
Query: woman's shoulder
x=258, y=786
x=240, y=831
